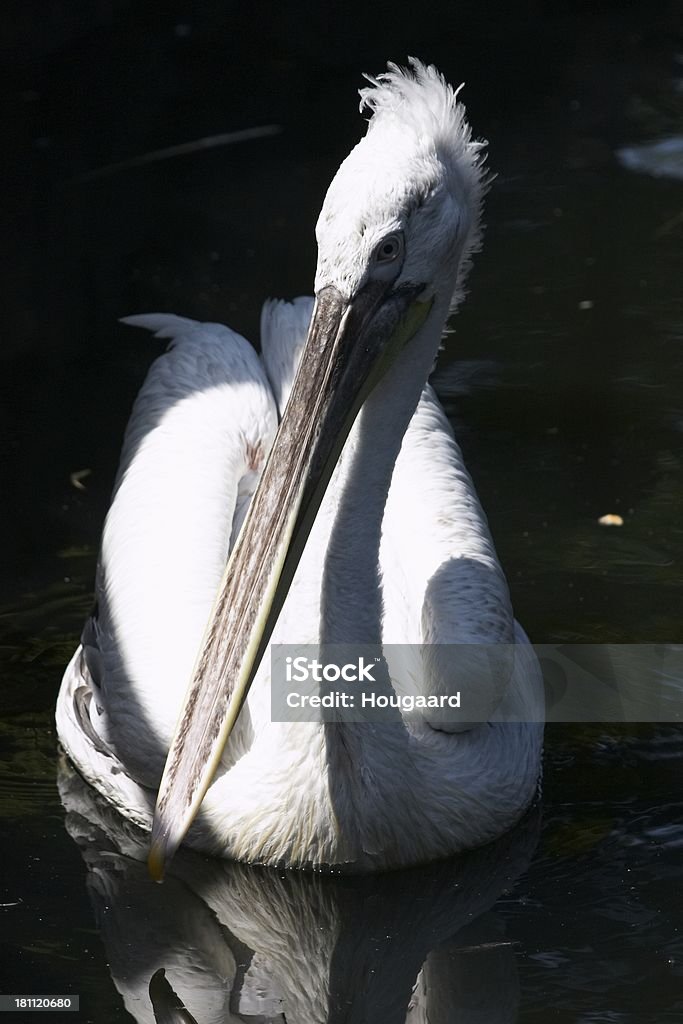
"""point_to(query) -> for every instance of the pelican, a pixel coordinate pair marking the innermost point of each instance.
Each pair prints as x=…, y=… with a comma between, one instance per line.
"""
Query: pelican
x=313, y=495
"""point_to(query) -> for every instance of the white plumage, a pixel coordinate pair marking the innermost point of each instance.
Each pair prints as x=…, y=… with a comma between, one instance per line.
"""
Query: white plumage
x=399, y=553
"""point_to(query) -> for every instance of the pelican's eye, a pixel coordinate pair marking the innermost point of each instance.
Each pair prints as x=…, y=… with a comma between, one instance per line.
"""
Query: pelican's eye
x=387, y=257
x=389, y=249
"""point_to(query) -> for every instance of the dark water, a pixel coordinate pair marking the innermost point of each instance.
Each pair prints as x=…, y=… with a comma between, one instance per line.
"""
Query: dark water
x=564, y=379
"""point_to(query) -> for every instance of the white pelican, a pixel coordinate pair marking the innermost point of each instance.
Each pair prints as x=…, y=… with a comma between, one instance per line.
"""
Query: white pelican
x=354, y=521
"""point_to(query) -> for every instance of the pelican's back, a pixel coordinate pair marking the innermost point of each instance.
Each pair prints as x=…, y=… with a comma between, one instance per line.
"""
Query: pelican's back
x=198, y=435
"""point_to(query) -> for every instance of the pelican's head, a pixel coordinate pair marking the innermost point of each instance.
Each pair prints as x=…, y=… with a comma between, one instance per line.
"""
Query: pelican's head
x=404, y=209
x=397, y=227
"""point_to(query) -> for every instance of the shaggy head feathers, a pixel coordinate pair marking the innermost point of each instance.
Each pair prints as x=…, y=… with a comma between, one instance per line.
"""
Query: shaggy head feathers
x=423, y=102
x=417, y=170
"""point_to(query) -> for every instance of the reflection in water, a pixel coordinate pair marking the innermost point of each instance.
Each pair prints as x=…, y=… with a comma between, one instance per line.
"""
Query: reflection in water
x=168, y=1007
x=241, y=943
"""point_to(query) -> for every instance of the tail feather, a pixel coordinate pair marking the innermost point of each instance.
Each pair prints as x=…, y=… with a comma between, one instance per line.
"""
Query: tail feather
x=284, y=326
x=164, y=325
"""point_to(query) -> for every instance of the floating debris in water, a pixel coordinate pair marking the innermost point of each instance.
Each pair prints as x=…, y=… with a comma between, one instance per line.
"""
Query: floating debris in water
x=611, y=520
x=663, y=159
x=77, y=478
x=182, y=149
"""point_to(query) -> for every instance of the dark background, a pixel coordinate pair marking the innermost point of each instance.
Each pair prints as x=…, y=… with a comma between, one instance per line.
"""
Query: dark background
x=555, y=87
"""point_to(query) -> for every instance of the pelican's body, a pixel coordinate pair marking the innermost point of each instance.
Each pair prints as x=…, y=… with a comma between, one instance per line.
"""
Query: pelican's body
x=399, y=553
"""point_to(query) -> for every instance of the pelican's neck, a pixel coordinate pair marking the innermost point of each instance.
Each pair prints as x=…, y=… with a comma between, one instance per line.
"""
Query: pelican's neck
x=351, y=601
x=364, y=797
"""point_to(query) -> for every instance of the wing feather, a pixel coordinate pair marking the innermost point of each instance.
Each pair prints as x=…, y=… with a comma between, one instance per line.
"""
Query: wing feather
x=198, y=435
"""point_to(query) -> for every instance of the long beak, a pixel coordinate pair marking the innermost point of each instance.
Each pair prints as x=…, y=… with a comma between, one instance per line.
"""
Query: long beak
x=349, y=347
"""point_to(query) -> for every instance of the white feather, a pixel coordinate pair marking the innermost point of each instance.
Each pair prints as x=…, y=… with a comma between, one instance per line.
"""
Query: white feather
x=284, y=326
x=400, y=552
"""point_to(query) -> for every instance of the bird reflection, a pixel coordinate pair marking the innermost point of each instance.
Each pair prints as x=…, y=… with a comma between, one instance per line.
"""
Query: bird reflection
x=228, y=942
